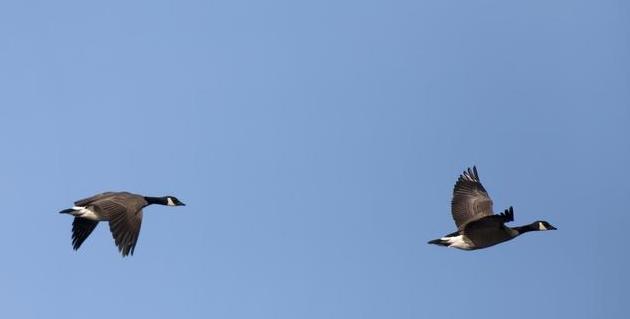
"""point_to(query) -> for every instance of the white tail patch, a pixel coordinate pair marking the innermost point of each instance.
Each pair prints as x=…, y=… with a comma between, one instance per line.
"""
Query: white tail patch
x=456, y=242
x=83, y=212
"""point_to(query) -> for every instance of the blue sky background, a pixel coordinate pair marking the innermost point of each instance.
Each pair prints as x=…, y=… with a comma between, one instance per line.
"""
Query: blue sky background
x=316, y=145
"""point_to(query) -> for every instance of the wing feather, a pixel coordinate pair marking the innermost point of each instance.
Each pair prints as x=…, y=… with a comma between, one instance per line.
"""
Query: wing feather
x=125, y=229
x=81, y=229
x=470, y=199
x=88, y=200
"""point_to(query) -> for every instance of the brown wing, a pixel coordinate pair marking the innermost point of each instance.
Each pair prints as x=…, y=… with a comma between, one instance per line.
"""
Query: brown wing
x=126, y=228
x=124, y=212
x=81, y=229
x=470, y=199
x=86, y=201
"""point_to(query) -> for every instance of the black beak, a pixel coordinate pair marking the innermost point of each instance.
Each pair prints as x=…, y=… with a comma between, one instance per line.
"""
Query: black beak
x=551, y=228
x=182, y=204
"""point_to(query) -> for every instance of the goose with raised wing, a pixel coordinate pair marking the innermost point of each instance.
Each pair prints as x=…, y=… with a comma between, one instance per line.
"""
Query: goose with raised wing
x=122, y=210
x=477, y=226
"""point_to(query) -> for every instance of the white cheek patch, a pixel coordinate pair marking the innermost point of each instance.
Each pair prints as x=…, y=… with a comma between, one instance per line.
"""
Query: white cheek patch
x=169, y=202
x=541, y=226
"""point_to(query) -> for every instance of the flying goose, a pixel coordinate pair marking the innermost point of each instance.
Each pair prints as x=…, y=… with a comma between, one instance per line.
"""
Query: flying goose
x=122, y=210
x=477, y=226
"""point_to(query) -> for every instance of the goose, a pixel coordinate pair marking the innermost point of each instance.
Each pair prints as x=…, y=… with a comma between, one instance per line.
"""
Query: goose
x=122, y=210
x=477, y=226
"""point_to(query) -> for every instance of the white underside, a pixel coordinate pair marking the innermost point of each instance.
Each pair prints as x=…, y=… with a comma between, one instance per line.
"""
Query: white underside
x=83, y=212
x=456, y=242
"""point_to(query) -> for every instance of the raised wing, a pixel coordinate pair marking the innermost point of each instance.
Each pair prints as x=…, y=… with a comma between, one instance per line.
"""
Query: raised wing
x=81, y=229
x=470, y=199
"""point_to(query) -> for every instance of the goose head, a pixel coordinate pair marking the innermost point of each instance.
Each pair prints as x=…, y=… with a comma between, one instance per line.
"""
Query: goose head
x=542, y=225
x=173, y=201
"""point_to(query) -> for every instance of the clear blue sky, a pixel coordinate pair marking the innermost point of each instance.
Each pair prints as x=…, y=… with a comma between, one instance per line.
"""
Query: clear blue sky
x=316, y=145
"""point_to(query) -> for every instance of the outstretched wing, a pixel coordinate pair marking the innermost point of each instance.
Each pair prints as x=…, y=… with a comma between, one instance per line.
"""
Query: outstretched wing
x=470, y=199
x=126, y=228
x=81, y=229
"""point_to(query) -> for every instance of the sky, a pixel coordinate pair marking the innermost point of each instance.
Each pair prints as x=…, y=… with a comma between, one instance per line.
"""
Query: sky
x=316, y=144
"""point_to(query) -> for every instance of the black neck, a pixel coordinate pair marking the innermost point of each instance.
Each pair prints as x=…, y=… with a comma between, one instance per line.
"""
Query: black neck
x=156, y=200
x=526, y=228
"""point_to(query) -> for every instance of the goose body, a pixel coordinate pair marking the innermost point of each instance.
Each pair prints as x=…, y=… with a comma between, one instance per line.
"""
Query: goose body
x=123, y=212
x=477, y=226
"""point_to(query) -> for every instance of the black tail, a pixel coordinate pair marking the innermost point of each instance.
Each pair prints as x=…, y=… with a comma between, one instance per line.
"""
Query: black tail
x=67, y=211
x=439, y=242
